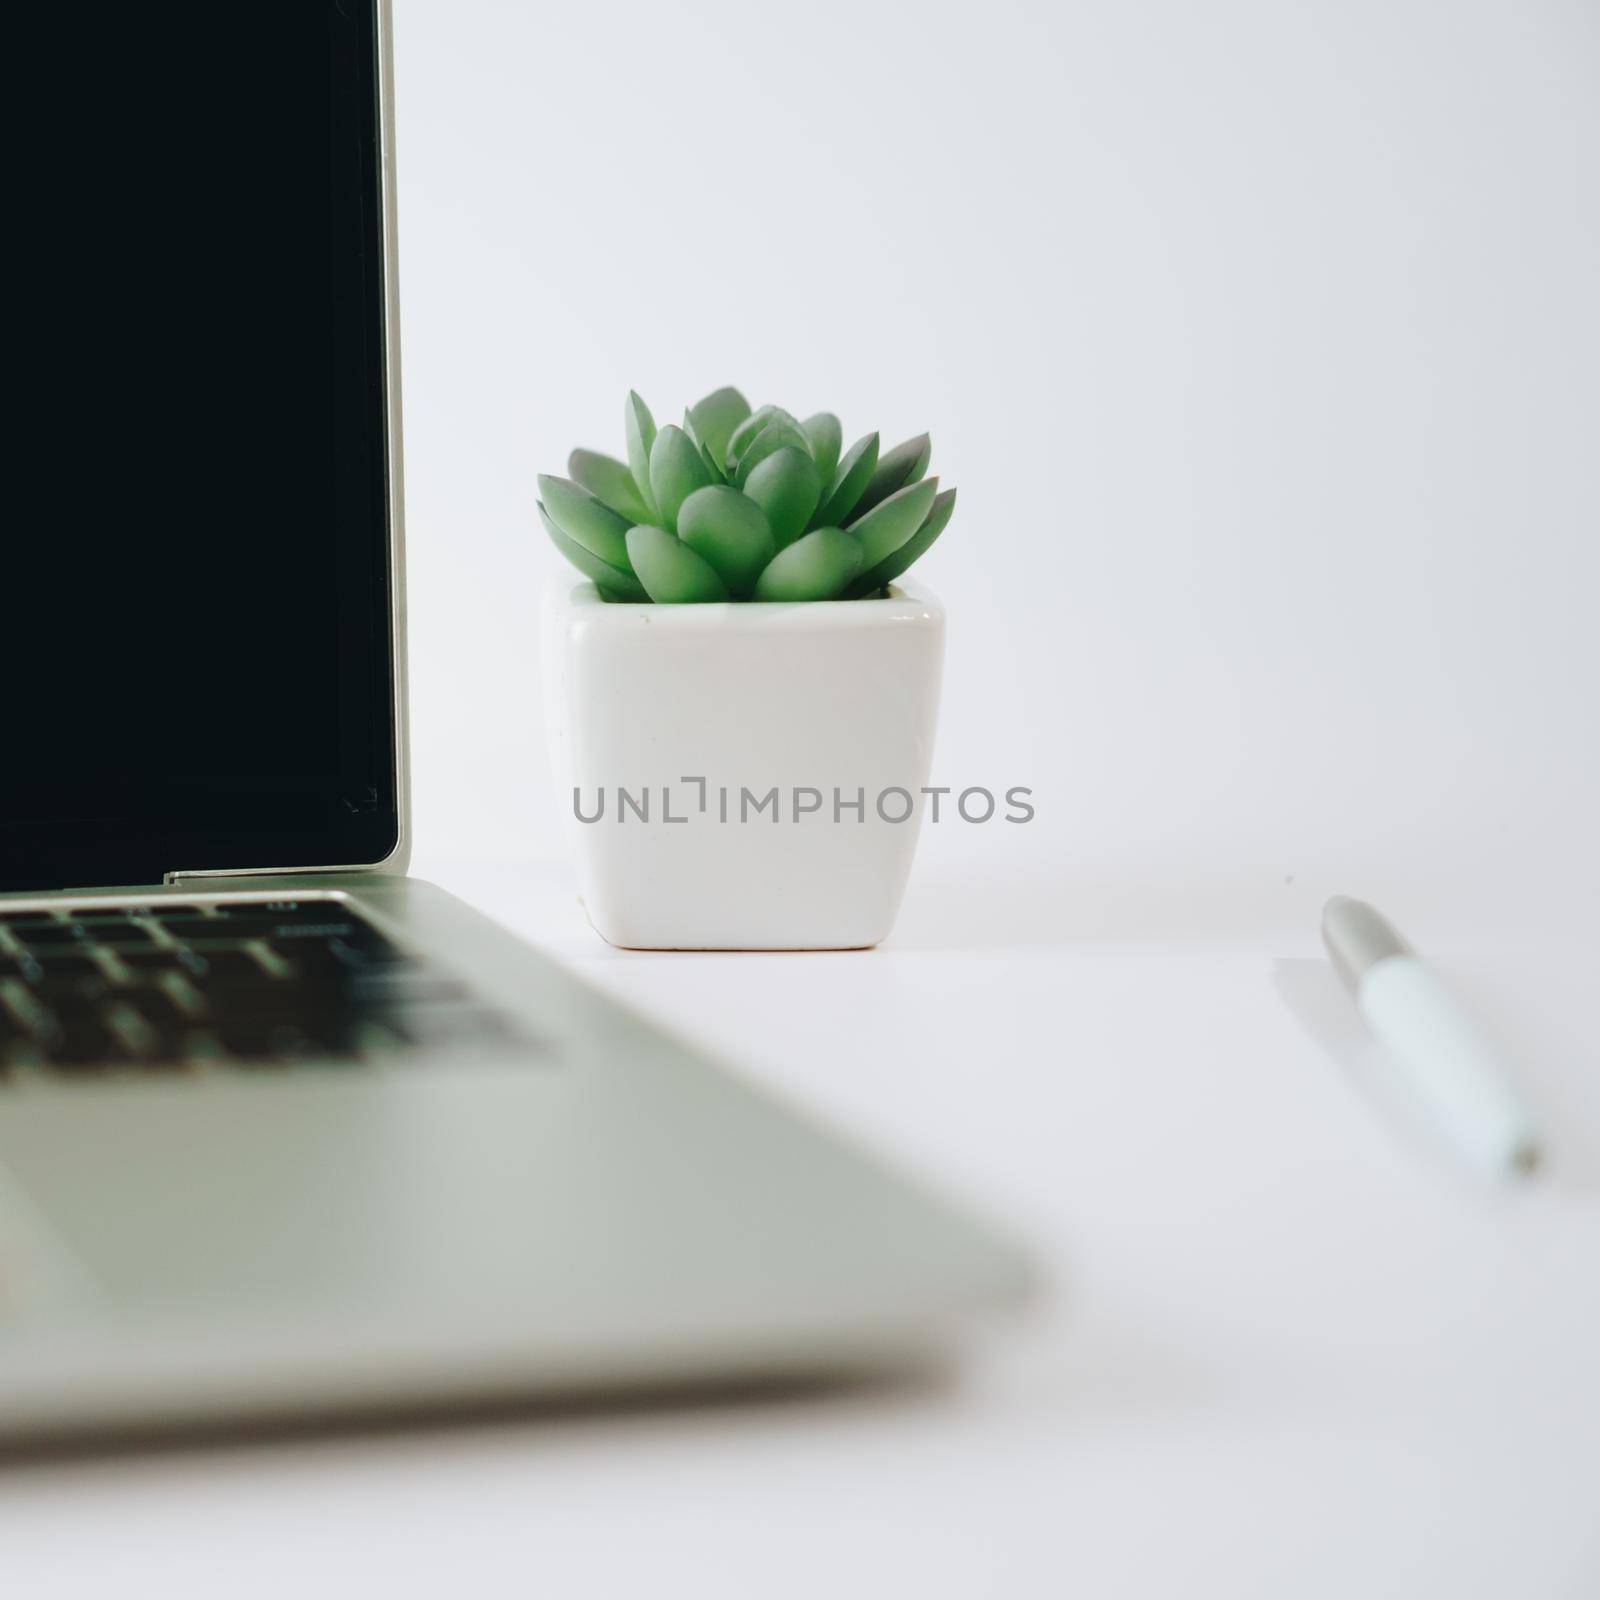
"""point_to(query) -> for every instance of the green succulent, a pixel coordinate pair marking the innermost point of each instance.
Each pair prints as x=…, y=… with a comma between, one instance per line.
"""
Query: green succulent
x=743, y=505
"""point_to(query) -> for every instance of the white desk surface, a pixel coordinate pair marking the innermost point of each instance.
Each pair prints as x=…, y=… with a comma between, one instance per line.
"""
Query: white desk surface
x=1284, y=1353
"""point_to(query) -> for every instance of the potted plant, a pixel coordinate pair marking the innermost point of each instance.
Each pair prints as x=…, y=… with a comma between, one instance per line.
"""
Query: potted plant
x=742, y=696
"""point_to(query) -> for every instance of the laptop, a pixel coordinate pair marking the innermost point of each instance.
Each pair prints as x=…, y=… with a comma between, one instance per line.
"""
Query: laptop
x=284, y=1132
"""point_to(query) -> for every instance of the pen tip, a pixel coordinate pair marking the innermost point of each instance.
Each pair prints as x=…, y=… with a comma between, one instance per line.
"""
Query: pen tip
x=1527, y=1159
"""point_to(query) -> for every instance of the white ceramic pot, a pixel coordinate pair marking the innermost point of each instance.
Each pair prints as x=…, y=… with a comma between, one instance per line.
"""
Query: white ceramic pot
x=742, y=776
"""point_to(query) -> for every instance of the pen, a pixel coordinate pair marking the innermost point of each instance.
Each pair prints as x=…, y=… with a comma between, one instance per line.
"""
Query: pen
x=1432, y=1050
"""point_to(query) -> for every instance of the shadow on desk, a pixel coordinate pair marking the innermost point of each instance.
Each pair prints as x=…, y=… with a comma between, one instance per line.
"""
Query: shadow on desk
x=919, y=1383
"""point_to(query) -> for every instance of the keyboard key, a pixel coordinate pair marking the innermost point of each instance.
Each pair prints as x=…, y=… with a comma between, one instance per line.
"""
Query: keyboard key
x=365, y=953
x=72, y=963
x=149, y=959
x=132, y=1032
x=121, y=948
x=199, y=928
x=41, y=935
x=158, y=1009
x=21, y=919
x=69, y=995
x=119, y=930
x=267, y=1039
x=182, y=990
x=310, y=931
x=213, y=963
x=258, y=995
x=84, y=1043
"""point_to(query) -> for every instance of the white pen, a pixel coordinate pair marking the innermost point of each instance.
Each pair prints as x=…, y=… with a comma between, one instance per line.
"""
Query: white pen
x=1436, y=1054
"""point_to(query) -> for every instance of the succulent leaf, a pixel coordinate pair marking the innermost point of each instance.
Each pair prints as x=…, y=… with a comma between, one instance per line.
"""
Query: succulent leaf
x=817, y=567
x=584, y=520
x=730, y=531
x=744, y=433
x=640, y=428
x=613, y=584
x=716, y=472
x=827, y=439
x=887, y=526
x=609, y=481
x=897, y=561
x=778, y=434
x=752, y=428
x=896, y=469
x=712, y=466
x=670, y=571
x=714, y=419
x=787, y=487
x=676, y=471
x=849, y=479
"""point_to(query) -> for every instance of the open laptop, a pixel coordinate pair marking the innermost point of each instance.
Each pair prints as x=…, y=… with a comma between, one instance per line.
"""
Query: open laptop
x=282, y=1130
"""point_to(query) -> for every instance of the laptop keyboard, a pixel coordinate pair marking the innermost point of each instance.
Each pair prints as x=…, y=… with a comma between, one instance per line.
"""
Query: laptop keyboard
x=246, y=983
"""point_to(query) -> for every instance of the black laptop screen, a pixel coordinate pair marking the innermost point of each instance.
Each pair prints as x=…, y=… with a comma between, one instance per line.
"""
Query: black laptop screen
x=195, y=599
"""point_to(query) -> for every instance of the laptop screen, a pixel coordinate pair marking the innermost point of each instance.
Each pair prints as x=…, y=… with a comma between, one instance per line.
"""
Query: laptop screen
x=195, y=603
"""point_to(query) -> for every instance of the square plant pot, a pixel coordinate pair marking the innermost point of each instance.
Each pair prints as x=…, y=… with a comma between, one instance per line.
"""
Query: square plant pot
x=742, y=776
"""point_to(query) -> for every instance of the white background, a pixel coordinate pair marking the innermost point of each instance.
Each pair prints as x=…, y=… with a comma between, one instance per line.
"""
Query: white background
x=1263, y=343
